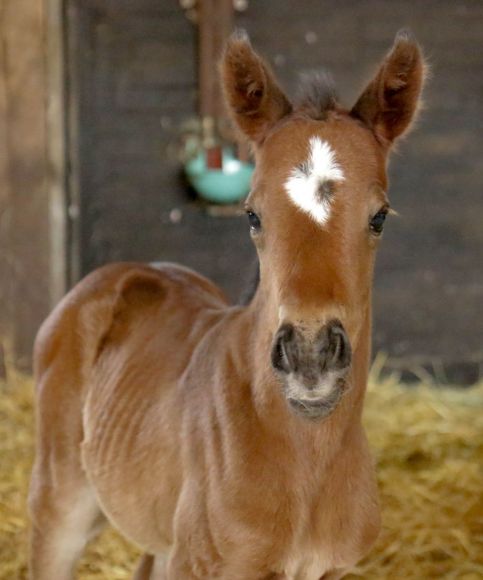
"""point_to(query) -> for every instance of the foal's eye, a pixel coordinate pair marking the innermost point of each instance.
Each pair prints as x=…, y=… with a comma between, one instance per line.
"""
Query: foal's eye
x=376, y=224
x=254, y=221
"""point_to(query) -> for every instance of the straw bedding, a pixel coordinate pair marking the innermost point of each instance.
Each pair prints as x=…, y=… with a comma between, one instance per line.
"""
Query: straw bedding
x=428, y=445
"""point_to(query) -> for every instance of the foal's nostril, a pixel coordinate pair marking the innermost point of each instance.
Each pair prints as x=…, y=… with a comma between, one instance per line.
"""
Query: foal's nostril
x=336, y=351
x=283, y=355
x=294, y=352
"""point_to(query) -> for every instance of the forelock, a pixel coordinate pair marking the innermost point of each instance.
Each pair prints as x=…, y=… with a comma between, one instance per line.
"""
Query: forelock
x=317, y=94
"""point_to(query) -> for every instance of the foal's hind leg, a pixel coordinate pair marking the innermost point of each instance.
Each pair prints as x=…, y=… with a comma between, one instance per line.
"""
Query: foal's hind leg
x=62, y=523
x=150, y=568
x=63, y=508
x=144, y=568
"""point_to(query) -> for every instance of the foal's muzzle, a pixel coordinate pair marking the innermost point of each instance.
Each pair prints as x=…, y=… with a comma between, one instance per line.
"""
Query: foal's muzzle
x=313, y=366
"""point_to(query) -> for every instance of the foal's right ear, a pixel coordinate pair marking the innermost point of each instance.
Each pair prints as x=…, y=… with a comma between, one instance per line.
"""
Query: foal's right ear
x=254, y=98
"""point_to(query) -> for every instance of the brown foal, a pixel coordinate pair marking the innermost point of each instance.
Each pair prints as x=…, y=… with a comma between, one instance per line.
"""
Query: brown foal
x=226, y=441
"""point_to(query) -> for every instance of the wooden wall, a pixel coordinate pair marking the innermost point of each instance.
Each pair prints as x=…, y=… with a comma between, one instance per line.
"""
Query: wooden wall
x=31, y=193
x=131, y=85
x=429, y=282
x=137, y=67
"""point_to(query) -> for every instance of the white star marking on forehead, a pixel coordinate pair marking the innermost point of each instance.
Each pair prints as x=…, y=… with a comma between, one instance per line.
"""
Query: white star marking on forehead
x=304, y=182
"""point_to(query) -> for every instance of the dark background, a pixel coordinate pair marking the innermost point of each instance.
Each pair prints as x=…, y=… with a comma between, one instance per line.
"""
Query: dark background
x=132, y=68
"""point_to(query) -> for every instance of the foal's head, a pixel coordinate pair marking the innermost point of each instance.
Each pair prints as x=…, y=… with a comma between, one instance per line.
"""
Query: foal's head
x=317, y=208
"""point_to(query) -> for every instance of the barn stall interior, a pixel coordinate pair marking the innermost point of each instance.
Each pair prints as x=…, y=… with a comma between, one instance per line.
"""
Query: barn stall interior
x=97, y=100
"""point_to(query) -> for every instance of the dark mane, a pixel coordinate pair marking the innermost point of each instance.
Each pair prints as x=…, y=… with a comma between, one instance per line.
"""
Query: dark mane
x=317, y=94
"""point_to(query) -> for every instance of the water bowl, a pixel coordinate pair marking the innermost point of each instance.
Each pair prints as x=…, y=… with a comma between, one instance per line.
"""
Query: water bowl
x=227, y=185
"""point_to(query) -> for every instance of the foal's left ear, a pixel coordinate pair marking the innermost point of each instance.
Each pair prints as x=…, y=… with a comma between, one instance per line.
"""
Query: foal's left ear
x=390, y=101
x=252, y=94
